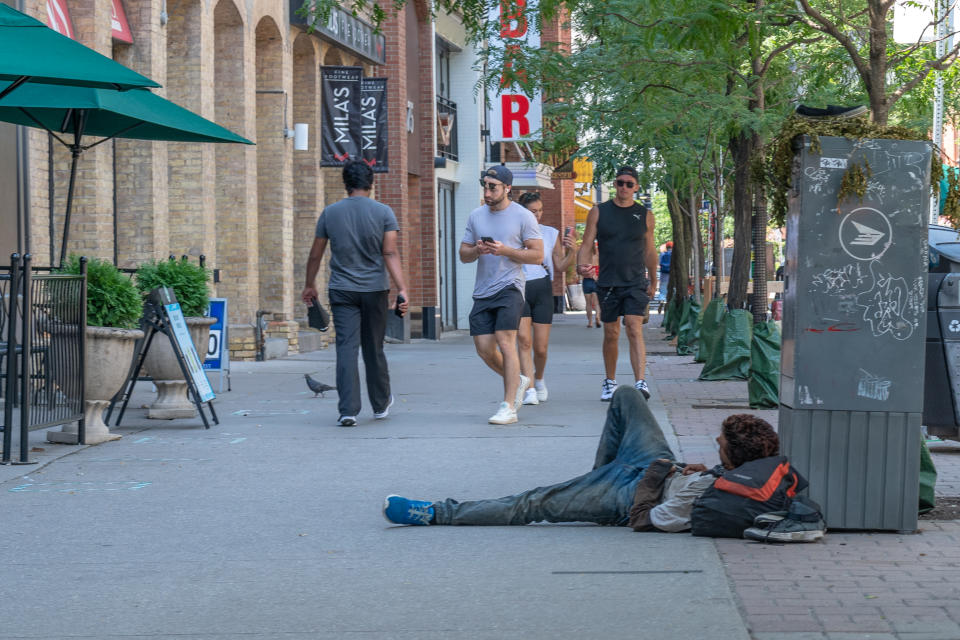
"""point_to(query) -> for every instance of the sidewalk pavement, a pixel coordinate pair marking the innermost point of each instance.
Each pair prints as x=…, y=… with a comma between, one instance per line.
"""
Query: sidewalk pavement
x=269, y=525
x=881, y=586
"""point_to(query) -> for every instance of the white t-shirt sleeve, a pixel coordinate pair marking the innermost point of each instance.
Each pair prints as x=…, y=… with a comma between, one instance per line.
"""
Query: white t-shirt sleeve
x=673, y=514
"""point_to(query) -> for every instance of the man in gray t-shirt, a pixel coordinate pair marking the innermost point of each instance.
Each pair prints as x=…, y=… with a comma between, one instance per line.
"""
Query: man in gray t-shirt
x=362, y=234
x=501, y=236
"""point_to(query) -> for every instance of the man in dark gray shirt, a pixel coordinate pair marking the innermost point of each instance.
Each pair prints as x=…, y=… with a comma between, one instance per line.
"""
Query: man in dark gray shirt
x=362, y=234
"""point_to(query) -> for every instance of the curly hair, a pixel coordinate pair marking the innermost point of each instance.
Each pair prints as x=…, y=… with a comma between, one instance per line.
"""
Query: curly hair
x=749, y=438
x=357, y=175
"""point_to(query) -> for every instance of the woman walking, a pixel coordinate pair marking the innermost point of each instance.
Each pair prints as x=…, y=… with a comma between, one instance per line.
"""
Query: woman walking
x=534, y=332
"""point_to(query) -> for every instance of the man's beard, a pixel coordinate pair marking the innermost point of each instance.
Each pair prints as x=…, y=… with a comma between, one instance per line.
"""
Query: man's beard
x=494, y=203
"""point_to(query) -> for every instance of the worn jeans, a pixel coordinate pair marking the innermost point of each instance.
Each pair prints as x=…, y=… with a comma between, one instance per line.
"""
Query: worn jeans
x=360, y=320
x=630, y=441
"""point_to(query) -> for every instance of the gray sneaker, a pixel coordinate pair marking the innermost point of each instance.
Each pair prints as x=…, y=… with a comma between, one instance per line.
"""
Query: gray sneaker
x=802, y=522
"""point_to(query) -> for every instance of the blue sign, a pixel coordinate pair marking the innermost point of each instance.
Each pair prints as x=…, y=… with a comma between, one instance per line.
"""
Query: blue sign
x=215, y=351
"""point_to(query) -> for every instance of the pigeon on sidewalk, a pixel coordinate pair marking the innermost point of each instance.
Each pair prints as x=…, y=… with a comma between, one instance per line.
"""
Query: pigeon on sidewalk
x=317, y=387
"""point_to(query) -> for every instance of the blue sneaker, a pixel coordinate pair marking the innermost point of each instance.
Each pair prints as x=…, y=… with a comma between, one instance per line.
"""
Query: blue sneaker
x=400, y=510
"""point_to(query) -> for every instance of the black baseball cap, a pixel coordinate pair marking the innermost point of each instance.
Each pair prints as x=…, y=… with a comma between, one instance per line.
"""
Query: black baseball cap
x=628, y=171
x=498, y=172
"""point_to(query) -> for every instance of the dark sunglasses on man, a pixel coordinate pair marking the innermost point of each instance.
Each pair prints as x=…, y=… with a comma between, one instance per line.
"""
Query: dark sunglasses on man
x=630, y=184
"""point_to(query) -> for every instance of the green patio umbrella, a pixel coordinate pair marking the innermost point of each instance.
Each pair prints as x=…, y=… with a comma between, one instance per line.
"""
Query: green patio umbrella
x=136, y=114
x=32, y=52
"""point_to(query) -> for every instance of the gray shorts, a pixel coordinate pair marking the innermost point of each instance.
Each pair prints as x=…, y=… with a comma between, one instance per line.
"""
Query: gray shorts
x=499, y=312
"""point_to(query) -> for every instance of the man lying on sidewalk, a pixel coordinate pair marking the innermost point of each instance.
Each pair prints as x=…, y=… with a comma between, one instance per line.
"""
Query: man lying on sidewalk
x=634, y=481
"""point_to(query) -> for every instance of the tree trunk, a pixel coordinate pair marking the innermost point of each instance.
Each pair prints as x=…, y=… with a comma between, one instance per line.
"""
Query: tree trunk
x=741, y=151
x=759, y=301
x=876, y=82
x=679, y=278
x=696, y=244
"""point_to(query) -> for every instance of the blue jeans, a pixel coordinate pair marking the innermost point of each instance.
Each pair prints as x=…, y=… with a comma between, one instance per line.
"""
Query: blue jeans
x=630, y=441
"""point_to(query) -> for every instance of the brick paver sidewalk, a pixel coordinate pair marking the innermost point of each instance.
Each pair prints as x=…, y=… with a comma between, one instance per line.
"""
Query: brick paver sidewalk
x=849, y=585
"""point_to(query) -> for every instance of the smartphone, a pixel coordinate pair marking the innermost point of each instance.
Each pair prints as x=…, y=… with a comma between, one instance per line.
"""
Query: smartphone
x=567, y=231
x=486, y=239
x=400, y=299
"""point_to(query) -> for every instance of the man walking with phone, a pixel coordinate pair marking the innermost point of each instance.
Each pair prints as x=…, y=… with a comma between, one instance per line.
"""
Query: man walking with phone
x=501, y=236
x=624, y=231
x=362, y=234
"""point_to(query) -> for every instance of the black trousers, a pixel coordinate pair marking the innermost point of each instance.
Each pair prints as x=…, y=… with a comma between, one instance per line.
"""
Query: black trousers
x=360, y=320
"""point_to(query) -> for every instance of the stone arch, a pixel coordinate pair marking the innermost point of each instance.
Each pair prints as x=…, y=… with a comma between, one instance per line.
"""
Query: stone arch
x=191, y=168
x=307, y=178
x=235, y=198
x=274, y=174
x=332, y=58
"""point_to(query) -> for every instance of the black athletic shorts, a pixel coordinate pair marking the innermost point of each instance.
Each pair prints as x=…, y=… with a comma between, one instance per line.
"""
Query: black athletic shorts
x=538, y=300
x=589, y=286
x=499, y=312
x=622, y=301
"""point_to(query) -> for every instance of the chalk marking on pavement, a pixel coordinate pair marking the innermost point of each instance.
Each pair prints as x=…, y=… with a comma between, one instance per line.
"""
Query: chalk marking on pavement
x=143, y=439
x=590, y=573
x=64, y=487
x=149, y=460
x=237, y=440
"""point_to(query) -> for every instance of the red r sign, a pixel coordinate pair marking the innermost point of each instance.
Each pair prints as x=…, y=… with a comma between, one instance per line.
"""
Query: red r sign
x=515, y=114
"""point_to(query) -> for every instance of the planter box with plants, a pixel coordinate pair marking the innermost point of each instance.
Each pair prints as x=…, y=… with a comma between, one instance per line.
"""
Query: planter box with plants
x=113, y=308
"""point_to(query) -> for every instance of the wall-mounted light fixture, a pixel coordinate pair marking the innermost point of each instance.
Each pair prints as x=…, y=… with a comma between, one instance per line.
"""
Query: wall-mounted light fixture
x=301, y=136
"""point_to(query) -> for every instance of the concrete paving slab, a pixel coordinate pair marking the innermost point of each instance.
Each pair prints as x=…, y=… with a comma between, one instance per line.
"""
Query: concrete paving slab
x=269, y=525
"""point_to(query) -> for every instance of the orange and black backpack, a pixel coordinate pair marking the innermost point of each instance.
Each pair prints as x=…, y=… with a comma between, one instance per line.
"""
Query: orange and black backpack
x=739, y=495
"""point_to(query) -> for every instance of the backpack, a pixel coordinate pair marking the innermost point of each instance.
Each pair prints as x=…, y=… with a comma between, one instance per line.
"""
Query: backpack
x=739, y=495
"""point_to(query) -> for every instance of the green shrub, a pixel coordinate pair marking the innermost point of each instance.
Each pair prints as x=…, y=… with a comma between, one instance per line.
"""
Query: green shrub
x=112, y=299
x=188, y=281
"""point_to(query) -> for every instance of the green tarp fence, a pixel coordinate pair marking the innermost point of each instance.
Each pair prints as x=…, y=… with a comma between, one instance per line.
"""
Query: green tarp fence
x=689, y=327
x=671, y=319
x=710, y=328
x=928, y=478
x=764, y=383
x=730, y=360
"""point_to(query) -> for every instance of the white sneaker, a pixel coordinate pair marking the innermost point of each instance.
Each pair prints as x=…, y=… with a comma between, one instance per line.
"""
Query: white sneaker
x=530, y=397
x=541, y=388
x=609, y=386
x=383, y=414
x=521, y=389
x=504, y=415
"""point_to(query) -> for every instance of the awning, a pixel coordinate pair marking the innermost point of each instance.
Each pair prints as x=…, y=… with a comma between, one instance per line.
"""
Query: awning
x=119, y=27
x=58, y=17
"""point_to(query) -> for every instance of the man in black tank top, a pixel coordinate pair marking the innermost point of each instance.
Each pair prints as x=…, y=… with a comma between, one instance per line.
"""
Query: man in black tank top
x=628, y=271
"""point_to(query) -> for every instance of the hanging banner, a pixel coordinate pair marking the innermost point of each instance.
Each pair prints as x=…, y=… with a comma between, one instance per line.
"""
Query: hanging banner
x=119, y=27
x=340, y=119
x=514, y=114
x=58, y=17
x=373, y=123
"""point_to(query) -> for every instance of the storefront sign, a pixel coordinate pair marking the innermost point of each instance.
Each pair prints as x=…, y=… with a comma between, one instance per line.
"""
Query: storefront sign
x=119, y=27
x=514, y=113
x=346, y=31
x=340, y=118
x=373, y=123
x=58, y=17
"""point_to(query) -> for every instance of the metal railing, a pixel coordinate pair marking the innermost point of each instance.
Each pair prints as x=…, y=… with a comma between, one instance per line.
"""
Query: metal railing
x=43, y=320
x=447, y=109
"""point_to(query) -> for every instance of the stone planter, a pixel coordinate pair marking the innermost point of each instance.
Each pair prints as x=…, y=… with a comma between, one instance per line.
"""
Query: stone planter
x=107, y=361
x=172, y=400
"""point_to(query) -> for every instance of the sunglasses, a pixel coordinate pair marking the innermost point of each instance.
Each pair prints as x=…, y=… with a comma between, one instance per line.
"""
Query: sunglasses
x=489, y=186
x=630, y=184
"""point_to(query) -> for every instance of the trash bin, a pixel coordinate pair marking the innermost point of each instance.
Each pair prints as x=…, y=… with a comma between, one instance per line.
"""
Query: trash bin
x=941, y=394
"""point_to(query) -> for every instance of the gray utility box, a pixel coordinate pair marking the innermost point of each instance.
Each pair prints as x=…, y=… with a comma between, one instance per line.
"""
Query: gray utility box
x=854, y=329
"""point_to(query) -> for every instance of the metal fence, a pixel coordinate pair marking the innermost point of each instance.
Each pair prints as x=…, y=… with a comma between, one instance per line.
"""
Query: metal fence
x=43, y=320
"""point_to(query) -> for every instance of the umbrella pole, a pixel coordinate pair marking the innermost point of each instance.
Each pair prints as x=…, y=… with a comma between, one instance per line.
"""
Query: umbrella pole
x=78, y=118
